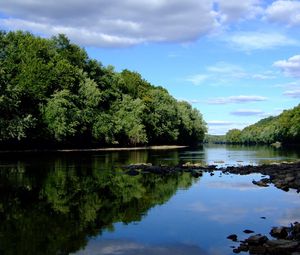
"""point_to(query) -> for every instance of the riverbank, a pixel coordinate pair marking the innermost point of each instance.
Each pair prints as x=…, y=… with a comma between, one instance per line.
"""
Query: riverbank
x=155, y=147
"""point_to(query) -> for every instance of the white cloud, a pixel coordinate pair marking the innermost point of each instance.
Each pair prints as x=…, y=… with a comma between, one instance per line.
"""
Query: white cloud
x=236, y=99
x=227, y=70
x=290, y=67
x=112, y=23
x=232, y=10
x=221, y=127
x=285, y=12
x=197, y=79
x=219, y=123
x=247, y=112
x=194, y=101
x=119, y=23
x=263, y=76
x=248, y=41
x=292, y=93
x=290, y=85
x=224, y=73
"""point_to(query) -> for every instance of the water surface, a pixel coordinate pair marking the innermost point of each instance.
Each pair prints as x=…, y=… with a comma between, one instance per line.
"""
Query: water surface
x=82, y=203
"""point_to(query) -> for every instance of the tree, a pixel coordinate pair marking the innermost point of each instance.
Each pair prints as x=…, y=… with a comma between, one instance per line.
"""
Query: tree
x=62, y=115
x=233, y=136
x=51, y=92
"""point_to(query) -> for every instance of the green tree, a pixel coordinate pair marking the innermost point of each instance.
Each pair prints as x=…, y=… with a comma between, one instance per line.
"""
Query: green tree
x=61, y=115
x=52, y=93
x=233, y=136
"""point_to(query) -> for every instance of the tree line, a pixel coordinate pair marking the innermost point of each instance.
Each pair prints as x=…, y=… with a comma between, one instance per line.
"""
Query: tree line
x=284, y=128
x=53, y=94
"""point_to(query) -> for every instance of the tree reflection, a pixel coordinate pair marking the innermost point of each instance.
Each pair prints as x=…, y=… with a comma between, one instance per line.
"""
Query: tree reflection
x=54, y=207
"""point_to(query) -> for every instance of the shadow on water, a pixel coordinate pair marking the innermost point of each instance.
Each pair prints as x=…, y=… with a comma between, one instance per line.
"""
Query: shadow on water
x=53, y=205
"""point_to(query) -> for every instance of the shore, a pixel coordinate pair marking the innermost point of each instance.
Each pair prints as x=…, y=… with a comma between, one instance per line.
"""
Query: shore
x=154, y=147
x=284, y=176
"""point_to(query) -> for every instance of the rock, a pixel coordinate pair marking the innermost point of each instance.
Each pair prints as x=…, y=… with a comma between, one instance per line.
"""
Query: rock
x=281, y=242
x=260, y=183
x=247, y=231
x=296, y=228
x=265, y=180
x=289, y=179
x=279, y=232
x=232, y=237
x=189, y=164
x=287, y=242
x=281, y=246
x=211, y=174
x=256, y=239
x=276, y=144
x=237, y=250
x=243, y=247
x=257, y=249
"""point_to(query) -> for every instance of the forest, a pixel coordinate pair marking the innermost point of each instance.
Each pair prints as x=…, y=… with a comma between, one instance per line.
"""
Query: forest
x=284, y=128
x=53, y=95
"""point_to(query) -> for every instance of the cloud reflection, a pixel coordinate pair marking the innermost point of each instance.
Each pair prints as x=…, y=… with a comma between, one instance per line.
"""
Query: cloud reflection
x=125, y=247
x=290, y=216
x=240, y=186
x=220, y=212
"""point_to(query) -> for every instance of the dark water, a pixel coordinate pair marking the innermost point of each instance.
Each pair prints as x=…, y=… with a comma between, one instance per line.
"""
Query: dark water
x=83, y=203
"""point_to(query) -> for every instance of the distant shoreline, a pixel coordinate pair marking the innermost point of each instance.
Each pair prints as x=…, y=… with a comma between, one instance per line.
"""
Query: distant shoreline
x=155, y=147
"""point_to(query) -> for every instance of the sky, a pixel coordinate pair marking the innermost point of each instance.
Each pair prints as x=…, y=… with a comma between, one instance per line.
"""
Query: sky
x=235, y=61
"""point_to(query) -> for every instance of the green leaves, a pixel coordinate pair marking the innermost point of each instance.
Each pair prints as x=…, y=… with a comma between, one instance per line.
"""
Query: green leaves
x=51, y=91
x=62, y=115
x=283, y=128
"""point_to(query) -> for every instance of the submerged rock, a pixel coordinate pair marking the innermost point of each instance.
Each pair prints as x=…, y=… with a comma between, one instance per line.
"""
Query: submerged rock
x=232, y=237
x=279, y=232
x=260, y=183
x=247, y=231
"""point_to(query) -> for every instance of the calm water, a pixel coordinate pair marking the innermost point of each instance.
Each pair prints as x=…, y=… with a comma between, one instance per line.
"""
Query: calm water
x=82, y=203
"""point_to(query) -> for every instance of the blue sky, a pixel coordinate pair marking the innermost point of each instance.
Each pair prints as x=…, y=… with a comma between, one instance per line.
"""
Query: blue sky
x=235, y=61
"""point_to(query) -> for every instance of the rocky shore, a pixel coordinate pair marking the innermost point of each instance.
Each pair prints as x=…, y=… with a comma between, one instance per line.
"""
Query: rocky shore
x=286, y=242
x=284, y=176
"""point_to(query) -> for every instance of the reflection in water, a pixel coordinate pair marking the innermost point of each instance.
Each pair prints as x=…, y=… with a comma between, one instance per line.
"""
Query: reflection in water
x=82, y=203
x=53, y=210
x=237, y=154
x=126, y=247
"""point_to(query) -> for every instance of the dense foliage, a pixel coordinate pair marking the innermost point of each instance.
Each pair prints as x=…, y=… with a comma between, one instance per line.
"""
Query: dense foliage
x=284, y=128
x=52, y=93
x=215, y=139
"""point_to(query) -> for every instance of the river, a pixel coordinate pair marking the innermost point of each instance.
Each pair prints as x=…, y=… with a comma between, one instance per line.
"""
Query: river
x=83, y=203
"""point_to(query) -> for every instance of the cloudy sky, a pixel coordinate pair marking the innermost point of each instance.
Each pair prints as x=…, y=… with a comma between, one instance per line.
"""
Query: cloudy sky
x=236, y=61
